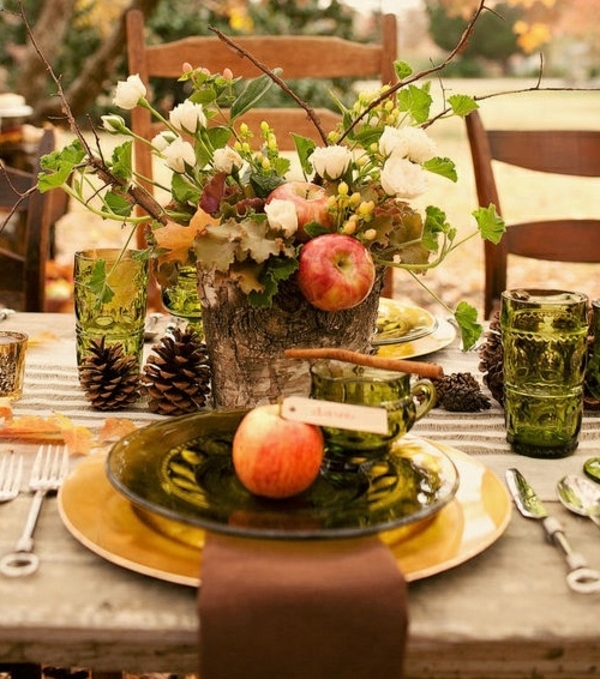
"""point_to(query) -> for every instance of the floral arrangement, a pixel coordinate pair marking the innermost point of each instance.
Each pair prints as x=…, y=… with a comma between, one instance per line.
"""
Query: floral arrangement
x=236, y=210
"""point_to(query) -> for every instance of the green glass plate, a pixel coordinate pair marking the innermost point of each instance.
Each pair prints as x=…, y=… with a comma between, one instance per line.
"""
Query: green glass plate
x=181, y=469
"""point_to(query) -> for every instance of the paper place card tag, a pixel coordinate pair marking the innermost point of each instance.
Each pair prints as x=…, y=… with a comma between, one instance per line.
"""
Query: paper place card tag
x=333, y=414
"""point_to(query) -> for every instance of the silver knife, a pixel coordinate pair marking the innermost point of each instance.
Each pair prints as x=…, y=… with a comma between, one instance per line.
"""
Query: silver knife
x=580, y=577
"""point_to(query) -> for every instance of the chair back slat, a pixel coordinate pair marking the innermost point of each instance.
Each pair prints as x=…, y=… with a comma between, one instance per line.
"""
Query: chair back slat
x=559, y=238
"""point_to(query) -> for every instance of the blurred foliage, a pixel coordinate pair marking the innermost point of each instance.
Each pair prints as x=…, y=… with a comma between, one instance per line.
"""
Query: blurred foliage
x=493, y=38
x=173, y=19
x=177, y=18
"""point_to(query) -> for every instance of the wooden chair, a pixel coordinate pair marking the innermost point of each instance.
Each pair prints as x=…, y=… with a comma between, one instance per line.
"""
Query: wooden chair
x=561, y=152
x=23, y=259
x=297, y=56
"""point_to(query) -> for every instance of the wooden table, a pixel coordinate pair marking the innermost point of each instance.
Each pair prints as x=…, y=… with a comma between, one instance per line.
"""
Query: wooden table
x=506, y=612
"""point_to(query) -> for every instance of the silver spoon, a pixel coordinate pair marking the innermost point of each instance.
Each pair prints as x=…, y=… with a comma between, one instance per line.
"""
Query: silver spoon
x=581, y=496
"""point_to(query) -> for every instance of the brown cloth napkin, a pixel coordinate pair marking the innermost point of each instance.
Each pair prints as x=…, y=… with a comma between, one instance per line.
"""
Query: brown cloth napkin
x=271, y=609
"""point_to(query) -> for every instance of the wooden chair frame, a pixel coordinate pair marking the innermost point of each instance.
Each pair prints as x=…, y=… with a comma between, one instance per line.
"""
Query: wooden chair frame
x=23, y=274
x=562, y=152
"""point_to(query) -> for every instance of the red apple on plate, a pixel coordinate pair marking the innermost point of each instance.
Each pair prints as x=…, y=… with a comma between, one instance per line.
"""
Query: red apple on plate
x=335, y=272
x=310, y=201
x=274, y=457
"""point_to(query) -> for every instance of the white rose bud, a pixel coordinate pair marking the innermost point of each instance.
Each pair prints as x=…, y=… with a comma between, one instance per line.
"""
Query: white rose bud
x=188, y=117
x=114, y=124
x=331, y=162
x=403, y=179
x=226, y=159
x=179, y=154
x=129, y=92
x=282, y=216
x=162, y=140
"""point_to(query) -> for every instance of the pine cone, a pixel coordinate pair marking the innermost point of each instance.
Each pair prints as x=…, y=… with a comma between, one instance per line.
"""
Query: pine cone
x=177, y=375
x=110, y=378
x=460, y=392
x=491, y=363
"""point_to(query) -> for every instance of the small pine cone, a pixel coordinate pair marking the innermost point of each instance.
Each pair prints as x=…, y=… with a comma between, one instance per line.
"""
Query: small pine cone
x=110, y=378
x=491, y=355
x=460, y=392
x=443, y=385
x=177, y=375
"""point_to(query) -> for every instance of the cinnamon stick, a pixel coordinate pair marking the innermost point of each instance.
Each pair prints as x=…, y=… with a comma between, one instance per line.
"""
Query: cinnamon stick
x=430, y=370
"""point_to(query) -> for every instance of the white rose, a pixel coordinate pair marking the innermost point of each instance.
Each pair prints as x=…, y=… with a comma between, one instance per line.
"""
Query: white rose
x=178, y=154
x=129, y=92
x=393, y=142
x=403, y=179
x=420, y=145
x=226, y=159
x=331, y=162
x=282, y=216
x=162, y=140
x=188, y=117
x=407, y=142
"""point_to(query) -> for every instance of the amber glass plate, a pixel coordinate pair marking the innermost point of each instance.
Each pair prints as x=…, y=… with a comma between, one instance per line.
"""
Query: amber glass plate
x=181, y=469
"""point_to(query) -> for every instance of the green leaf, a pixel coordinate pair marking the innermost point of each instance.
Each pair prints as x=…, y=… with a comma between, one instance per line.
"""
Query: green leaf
x=122, y=163
x=251, y=95
x=218, y=136
x=98, y=284
x=58, y=166
x=490, y=223
x=435, y=223
x=462, y=104
x=277, y=269
x=118, y=204
x=445, y=167
x=403, y=69
x=466, y=319
x=183, y=191
x=416, y=101
x=304, y=149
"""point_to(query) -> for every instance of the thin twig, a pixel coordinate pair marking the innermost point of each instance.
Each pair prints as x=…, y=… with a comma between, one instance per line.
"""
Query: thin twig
x=420, y=368
x=137, y=195
x=310, y=112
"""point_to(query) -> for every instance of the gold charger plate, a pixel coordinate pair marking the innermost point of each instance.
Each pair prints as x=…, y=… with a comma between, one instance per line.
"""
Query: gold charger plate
x=105, y=522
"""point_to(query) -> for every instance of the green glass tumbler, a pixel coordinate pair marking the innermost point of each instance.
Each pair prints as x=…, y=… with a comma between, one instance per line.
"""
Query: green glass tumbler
x=405, y=399
x=181, y=298
x=119, y=317
x=544, y=339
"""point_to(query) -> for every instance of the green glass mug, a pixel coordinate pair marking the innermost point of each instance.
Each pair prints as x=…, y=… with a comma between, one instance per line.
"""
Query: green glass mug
x=405, y=400
x=544, y=339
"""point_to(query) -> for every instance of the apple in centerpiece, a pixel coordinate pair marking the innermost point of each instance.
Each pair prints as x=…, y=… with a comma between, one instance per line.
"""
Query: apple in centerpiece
x=274, y=457
x=335, y=272
x=310, y=201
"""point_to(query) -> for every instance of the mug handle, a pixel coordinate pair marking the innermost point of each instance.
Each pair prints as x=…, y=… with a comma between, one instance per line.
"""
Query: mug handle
x=423, y=391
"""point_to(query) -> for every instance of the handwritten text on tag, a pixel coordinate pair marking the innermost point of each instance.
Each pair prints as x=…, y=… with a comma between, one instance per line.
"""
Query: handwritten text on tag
x=333, y=414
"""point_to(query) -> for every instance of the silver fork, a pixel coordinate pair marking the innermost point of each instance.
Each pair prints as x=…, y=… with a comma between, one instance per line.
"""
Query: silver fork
x=50, y=467
x=10, y=476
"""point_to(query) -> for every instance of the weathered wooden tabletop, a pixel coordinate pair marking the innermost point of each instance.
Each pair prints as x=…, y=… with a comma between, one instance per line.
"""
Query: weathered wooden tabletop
x=505, y=612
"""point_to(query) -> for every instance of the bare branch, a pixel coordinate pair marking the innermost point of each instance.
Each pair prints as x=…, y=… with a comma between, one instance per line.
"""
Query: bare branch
x=137, y=195
x=310, y=112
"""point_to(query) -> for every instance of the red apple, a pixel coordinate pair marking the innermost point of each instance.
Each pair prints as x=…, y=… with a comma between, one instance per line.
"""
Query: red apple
x=335, y=272
x=274, y=457
x=310, y=201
